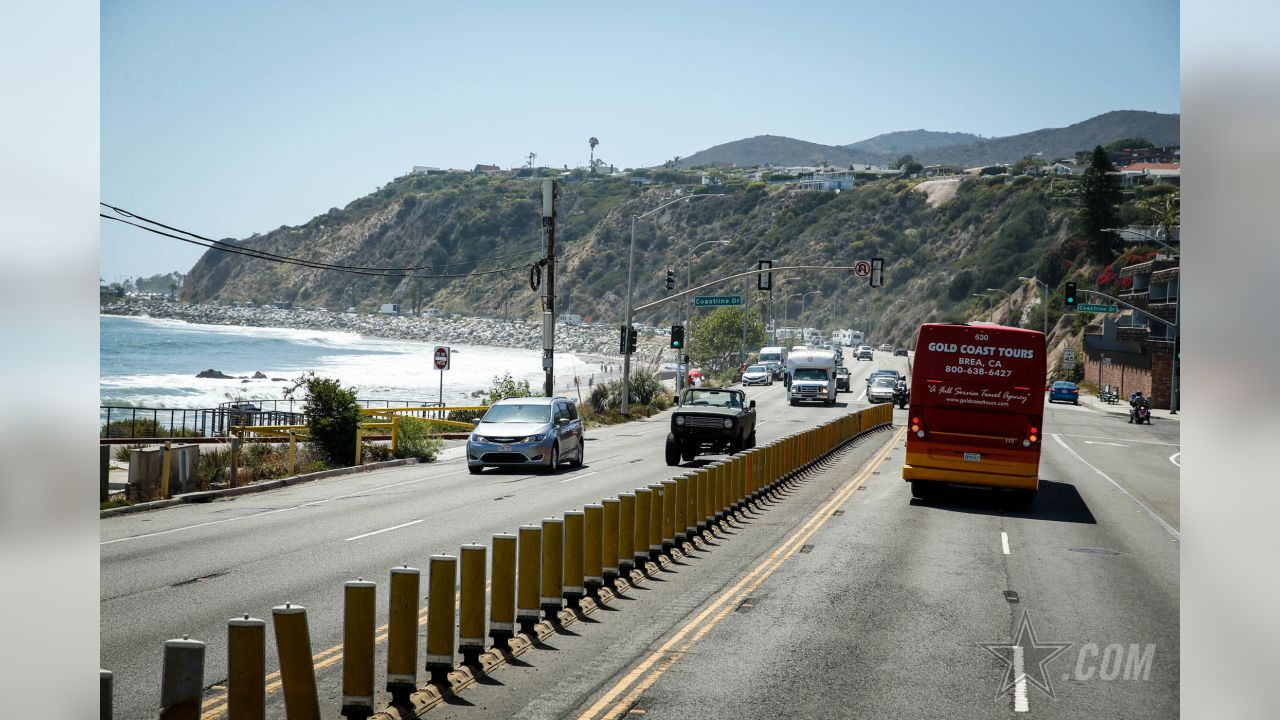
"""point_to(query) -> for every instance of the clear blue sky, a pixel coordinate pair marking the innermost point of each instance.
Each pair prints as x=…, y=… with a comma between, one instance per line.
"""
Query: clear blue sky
x=233, y=117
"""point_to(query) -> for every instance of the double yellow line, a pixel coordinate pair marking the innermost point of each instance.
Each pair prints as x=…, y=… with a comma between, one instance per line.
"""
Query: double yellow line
x=618, y=699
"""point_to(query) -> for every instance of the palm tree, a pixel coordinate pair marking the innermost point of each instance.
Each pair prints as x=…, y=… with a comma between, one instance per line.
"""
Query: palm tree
x=593, y=142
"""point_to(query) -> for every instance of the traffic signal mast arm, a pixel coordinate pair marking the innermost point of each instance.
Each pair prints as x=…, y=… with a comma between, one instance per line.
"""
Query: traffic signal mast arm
x=1157, y=318
x=680, y=295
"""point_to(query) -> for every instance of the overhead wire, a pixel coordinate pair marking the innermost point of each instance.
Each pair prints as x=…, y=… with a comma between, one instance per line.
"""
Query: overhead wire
x=232, y=248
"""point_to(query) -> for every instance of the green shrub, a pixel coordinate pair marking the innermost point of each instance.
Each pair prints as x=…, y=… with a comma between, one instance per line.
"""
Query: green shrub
x=122, y=451
x=375, y=452
x=415, y=440
x=213, y=467
x=332, y=416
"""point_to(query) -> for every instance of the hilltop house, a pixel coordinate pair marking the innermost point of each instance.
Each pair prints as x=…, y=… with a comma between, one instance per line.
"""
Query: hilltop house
x=1130, y=351
x=1148, y=173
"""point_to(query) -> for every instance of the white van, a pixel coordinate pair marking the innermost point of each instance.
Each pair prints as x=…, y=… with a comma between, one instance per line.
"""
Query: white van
x=777, y=356
x=813, y=377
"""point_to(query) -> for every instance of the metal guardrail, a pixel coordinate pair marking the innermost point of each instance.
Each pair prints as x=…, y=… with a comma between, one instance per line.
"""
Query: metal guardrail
x=145, y=422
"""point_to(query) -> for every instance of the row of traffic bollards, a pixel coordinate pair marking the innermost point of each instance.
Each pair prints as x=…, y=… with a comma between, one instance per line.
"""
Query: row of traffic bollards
x=534, y=575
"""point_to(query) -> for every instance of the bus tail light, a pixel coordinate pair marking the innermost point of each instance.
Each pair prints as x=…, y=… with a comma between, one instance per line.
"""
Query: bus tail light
x=1033, y=432
x=917, y=426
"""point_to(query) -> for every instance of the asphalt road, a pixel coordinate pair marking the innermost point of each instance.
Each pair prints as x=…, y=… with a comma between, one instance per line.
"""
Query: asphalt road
x=186, y=570
x=844, y=602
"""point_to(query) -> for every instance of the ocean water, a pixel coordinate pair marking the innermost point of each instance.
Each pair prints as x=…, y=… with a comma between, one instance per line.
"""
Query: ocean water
x=150, y=363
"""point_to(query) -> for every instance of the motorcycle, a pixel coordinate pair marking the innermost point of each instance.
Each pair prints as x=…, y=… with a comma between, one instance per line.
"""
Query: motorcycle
x=1142, y=414
x=901, y=397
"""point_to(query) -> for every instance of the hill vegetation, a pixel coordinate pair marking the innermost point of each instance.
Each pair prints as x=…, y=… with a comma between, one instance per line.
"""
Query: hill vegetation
x=994, y=229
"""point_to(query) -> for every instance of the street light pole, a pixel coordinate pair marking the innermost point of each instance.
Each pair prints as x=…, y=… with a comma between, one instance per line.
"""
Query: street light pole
x=1006, y=292
x=631, y=259
x=991, y=306
x=1044, y=300
x=1177, y=309
x=800, y=319
x=785, y=301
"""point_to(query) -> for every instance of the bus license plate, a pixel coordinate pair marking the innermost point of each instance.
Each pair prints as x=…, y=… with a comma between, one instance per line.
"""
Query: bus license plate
x=973, y=457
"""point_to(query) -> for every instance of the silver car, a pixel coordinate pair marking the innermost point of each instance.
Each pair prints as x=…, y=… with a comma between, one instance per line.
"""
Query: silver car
x=757, y=375
x=881, y=389
x=527, y=431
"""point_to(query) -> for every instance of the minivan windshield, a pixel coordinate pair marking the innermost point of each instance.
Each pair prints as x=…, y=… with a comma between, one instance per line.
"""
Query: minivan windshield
x=771, y=357
x=518, y=413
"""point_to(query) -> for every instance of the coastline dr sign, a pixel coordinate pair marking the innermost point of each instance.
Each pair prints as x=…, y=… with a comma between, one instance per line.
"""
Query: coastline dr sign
x=716, y=300
x=1086, y=307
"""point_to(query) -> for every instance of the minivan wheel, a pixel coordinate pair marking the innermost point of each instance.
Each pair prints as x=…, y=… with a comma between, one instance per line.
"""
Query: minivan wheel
x=577, y=461
x=555, y=459
x=475, y=469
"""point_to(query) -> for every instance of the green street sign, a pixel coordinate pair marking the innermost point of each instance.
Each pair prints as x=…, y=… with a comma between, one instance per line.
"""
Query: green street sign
x=716, y=300
x=1097, y=308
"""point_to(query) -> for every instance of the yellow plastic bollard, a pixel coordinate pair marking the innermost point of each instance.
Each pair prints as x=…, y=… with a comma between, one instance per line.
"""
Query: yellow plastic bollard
x=609, y=554
x=657, y=520
x=691, y=506
x=640, y=549
x=552, y=567
x=593, y=549
x=182, y=679
x=297, y=673
x=472, y=558
x=679, y=487
x=530, y=578
x=627, y=533
x=442, y=581
x=502, y=592
x=359, y=623
x=402, y=633
x=247, y=667
x=574, y=534
x=668, y=515
x=704, y=498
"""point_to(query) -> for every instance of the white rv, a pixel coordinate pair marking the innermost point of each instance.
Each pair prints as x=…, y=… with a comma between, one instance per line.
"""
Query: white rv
x=777, y=356
x=813, y=376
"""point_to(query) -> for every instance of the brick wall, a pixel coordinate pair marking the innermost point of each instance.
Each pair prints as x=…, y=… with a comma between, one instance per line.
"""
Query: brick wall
x=1122, y=378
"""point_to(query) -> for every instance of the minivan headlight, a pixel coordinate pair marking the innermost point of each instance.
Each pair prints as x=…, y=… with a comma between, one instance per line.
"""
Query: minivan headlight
x=534, y=438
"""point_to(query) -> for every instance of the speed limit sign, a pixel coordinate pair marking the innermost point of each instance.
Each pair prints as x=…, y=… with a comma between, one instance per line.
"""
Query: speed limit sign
x=442, y=357
x=862, y=268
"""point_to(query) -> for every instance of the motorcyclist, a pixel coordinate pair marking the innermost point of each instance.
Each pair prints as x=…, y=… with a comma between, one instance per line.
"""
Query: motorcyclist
x=1136, y=400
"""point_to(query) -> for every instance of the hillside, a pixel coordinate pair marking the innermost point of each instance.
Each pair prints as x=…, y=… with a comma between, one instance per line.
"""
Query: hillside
x=910, y=142
x=931, y=147
x=990, y=232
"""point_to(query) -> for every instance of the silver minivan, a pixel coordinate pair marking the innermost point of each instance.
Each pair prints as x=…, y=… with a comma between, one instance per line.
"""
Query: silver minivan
x=529, y=431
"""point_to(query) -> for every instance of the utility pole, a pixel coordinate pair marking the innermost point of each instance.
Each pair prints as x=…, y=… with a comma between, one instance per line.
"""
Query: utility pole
x=549, y=308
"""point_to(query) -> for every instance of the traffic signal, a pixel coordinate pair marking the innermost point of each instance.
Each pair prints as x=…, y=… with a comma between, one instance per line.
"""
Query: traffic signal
x=677, y=336
x=671, y=279
x=622, y=339
x=631, y=340
x=1070, y=296
x=764, y=275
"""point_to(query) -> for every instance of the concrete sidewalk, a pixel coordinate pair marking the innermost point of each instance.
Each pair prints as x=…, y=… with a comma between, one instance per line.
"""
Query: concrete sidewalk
x=1122, y=408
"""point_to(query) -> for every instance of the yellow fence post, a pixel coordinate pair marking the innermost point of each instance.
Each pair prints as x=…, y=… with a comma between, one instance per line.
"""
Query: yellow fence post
x=233, y=471
x=297, y=671
x=359, y=622
x=574, y=535
x=395, y=433
x=529, y=579
x=293, y=453
x=471, y=565
x=164, y=470
x=359, y=442
x=402, y=634
x=182, y=679
x=442, y=579
x=609, y=542
x=640, y=543
x=593, y=549
x=552, y=567
x=626, y=534
x=502, y=591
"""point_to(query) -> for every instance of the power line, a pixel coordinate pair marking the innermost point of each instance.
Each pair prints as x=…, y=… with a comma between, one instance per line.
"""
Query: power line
x=271, y=257
x=274, y=257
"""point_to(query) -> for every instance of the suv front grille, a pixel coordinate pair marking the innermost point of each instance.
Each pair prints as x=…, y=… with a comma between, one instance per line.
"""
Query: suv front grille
x=703, y=421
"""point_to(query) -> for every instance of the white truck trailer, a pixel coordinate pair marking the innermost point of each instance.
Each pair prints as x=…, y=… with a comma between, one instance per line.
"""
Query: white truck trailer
x=813, y=376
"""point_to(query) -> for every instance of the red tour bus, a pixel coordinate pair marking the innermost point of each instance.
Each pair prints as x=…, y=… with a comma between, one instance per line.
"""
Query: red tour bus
x=977, y=401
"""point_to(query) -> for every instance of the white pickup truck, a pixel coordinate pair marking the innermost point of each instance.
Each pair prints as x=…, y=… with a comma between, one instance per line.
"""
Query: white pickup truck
x=813, y=376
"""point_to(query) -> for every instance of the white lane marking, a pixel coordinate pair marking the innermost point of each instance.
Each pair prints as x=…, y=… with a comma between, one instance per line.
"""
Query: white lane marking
x=579, y=477
x=1131, y=440
x=1174, y=459
x=862, y=397
x=1004, y=542
x=277, y=510
x=1168, y=528
x=1098, y=442
x=379, y=532
x=1020, y=703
